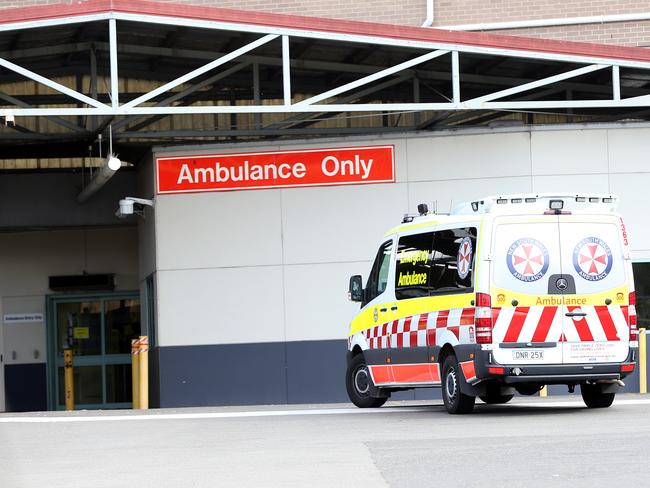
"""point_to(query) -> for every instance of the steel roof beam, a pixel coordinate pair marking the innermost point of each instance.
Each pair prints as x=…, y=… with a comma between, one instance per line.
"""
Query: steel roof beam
x=56, y=120
x=373, y=77
x=199, y=71
x=539, y=83
x=179, y=96
x=50, y=83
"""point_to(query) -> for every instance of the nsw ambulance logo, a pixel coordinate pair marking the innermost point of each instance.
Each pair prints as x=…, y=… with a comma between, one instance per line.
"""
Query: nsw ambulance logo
x=527, y=259
x=464, y=257
x=592, y=259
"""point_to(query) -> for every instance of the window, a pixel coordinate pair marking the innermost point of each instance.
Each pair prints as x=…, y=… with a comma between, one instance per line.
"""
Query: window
x=378, y=278
x=413, y=266
x=435, y=262
x=642, y=288
x=453, y=259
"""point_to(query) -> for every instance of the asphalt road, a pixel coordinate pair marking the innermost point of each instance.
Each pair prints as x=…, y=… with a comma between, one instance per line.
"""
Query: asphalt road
x=553, y=442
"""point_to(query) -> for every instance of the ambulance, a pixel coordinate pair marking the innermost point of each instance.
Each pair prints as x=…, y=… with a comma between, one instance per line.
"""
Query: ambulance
x=505, y=294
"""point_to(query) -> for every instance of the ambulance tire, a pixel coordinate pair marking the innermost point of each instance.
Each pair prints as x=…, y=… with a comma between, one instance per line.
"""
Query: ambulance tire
x=593, y=396
x=358, y=383
x=456, y=402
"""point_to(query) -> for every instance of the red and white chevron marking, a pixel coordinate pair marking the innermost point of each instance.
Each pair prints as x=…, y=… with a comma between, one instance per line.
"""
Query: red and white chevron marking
x=549, y=324
x=423, y=329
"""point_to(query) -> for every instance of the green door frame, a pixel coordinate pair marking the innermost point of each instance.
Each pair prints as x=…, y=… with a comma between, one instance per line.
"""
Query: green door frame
x=52, y=359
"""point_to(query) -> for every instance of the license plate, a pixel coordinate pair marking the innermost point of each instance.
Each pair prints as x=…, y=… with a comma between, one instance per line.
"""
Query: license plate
x=528, y=355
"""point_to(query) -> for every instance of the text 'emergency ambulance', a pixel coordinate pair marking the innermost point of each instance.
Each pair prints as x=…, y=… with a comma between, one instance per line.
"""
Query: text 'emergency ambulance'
x=245, y=171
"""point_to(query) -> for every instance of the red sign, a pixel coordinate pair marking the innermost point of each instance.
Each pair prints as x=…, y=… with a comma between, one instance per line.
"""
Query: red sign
x=247, y=171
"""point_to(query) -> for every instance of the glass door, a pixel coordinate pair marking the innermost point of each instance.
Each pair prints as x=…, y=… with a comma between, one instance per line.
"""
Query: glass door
x=99, y=330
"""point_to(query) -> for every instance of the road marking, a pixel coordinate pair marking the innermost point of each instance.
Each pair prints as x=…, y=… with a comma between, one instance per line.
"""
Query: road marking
x=280, y=413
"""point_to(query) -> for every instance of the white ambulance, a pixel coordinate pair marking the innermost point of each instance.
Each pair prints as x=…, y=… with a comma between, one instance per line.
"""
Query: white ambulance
x=507, y=293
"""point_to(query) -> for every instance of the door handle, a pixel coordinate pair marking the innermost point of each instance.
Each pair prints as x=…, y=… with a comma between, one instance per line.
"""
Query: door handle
x=393, y=308
x=383, y=310
x=575, y=314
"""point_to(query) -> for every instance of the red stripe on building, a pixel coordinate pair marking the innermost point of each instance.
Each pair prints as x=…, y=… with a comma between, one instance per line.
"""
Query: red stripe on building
x=544, y=324
x=582, y=327
x=607, y=322
x=516, y=324
x=442, y=319
x=467, y=317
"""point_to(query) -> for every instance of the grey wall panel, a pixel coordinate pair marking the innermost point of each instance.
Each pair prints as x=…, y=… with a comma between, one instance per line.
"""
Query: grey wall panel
x=316, y=302
x=316, y=371
x=220, y=229
x=49, y=200
x=238, y=374
x=339, y=224
x=220, y=306
x=458, y=156
x=569, y=152
x=447, y=194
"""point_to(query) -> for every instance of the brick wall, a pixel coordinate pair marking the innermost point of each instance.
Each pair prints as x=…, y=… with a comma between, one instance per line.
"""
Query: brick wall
x=401, y=12
x=621, y=33
x=450, y=12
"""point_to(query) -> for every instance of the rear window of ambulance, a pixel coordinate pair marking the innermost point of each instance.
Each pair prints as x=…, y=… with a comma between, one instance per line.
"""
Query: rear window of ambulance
x=593, y=254
x=525, y=255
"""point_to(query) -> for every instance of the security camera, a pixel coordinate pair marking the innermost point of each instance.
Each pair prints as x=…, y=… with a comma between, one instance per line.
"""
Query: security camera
x=131, y=205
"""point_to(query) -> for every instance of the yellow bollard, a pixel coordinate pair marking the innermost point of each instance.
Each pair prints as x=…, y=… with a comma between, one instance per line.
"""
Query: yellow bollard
x=135, y=372
x=643, y=373
x=68, y=379
x=143, y=397
x=544, y=391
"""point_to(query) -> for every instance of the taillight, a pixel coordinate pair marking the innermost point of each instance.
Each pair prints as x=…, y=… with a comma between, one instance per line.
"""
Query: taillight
x=483, y=319
x=631, y=318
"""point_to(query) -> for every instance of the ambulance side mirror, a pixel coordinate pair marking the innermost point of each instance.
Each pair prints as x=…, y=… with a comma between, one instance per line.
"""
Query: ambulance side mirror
x=356, y=289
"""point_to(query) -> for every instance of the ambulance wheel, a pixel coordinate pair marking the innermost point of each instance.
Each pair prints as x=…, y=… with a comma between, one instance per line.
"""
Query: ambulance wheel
x=593, y=396
x=358, y=383
x=455, y=400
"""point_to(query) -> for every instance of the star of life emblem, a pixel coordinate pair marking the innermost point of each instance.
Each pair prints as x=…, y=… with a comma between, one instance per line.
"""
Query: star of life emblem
x=527, y=259
x=464, y=258
x=592, y=259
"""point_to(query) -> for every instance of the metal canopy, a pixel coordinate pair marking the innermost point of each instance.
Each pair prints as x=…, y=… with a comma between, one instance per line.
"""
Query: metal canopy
x=139, y=66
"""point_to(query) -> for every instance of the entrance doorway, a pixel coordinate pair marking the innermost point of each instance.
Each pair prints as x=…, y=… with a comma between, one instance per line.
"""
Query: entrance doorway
x=98, y=329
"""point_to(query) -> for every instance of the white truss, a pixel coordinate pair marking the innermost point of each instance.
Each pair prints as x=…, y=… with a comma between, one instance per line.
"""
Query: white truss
x=313, y=104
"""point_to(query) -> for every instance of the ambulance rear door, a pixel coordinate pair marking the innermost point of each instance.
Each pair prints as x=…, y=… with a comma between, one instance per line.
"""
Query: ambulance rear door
x=527, y=312
x=597, y=297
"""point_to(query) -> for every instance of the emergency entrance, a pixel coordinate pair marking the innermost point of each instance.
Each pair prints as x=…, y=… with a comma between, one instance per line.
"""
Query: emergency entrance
x=98, y=329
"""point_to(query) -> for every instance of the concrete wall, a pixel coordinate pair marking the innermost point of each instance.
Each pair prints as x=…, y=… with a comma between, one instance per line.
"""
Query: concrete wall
x=270, y=267
x=26, y=261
